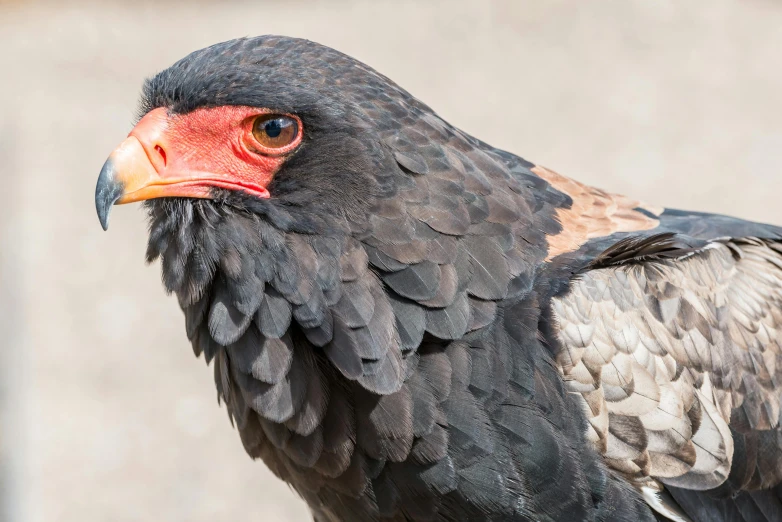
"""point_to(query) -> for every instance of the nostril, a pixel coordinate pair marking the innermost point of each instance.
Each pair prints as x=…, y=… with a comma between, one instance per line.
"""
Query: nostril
x=162, y=153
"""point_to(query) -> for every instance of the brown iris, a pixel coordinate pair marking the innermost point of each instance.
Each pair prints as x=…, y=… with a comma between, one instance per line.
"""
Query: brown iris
x=273, y=131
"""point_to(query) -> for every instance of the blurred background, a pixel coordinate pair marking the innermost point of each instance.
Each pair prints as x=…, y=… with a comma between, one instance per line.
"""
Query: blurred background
x=106, y=415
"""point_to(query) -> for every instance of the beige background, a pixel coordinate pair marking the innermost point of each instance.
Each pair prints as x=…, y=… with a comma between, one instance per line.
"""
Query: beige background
x=108, y=416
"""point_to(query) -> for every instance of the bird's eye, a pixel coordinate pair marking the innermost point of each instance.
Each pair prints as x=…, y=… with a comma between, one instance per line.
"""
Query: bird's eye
x=273, y=131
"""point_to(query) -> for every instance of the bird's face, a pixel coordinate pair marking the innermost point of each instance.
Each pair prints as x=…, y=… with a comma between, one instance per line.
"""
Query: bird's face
x=188, y=155
x=232, y=118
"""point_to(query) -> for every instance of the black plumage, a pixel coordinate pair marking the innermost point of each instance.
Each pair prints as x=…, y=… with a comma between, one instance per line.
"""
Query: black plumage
x=274, y=314
x=397, y=330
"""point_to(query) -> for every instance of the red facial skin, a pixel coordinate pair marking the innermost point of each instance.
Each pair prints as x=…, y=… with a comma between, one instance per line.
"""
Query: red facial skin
x=188, y=154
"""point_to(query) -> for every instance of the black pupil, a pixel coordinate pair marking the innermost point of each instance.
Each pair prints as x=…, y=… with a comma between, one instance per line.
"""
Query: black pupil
x=273, y=128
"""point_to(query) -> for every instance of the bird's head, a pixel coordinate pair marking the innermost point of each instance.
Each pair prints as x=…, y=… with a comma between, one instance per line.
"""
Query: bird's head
x=269, y=118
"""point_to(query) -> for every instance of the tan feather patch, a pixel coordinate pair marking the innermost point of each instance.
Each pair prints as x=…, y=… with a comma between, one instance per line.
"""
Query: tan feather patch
x=594, y=213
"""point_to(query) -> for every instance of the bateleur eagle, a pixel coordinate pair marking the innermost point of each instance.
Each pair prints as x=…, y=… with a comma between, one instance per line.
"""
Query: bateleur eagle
x=406, y=323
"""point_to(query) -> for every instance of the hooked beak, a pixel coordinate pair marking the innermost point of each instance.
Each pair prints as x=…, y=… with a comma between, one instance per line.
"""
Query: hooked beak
x=151, y=163
x=131, y=175
x=108, y=190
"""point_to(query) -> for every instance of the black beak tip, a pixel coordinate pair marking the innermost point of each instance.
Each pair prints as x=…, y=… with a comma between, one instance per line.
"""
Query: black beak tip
x=107, y=192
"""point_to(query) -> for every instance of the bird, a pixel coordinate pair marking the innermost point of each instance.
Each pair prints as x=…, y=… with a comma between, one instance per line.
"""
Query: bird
x=408, y=324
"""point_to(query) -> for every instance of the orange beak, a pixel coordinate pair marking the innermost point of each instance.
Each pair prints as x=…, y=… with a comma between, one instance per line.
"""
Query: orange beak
x=129, y=174
x=182, y=157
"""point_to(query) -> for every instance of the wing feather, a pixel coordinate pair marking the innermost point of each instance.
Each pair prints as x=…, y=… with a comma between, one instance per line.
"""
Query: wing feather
x=674, y=357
